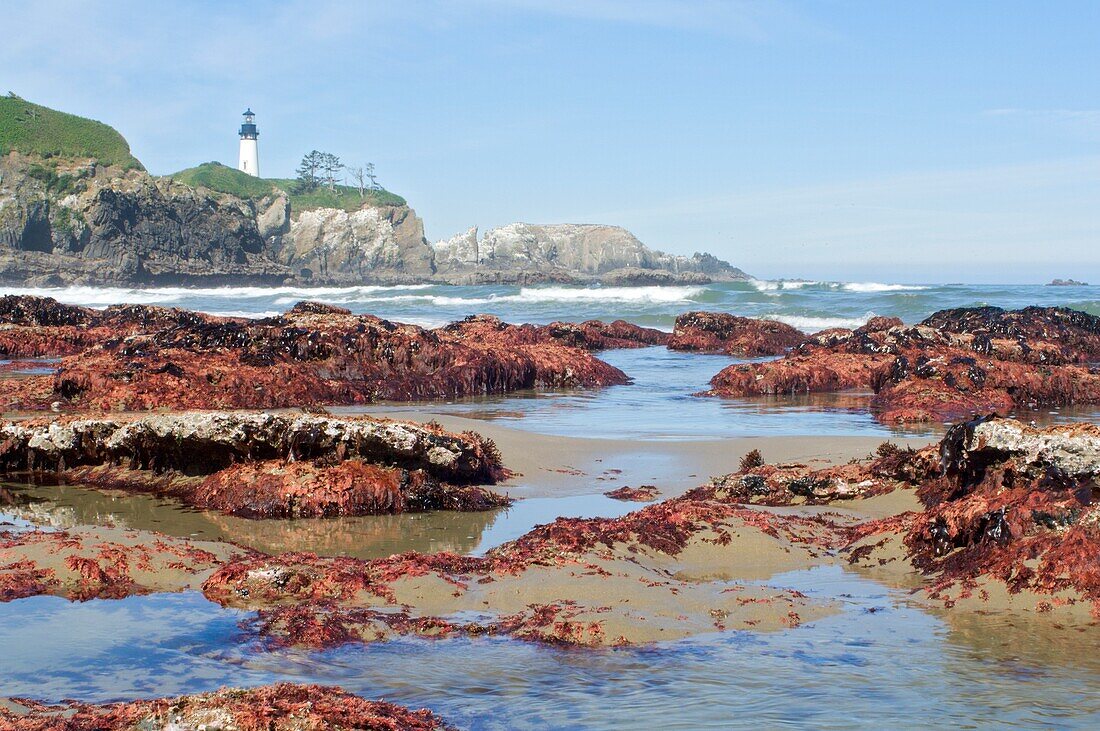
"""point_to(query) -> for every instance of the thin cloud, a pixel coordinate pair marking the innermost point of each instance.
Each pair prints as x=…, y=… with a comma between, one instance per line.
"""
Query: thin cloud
x=751, y=20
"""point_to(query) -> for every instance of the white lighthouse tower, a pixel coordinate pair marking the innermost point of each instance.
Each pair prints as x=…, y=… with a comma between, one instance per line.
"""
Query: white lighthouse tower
x=250, y=156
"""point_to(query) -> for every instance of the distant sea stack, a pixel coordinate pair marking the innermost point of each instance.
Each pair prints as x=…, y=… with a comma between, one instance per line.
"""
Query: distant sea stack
x=523, y=252
x=1067, y=283
x=77, y=208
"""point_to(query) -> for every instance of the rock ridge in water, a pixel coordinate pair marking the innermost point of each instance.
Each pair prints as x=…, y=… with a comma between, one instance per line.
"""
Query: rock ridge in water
x=141, y=358
x=955, y=364
x=719, y=332
x=279, y=707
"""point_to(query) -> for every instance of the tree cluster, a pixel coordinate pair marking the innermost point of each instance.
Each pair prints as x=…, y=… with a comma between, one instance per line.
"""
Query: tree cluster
x=318, y=169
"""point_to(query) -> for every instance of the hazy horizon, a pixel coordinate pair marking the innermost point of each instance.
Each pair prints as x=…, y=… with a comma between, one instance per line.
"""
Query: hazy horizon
x=823, y=140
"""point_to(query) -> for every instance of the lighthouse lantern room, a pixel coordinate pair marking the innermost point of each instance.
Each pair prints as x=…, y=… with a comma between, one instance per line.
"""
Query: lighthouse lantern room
x=250, y=156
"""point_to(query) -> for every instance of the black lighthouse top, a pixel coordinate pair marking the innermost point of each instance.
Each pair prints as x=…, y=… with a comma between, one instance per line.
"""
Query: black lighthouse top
x=248, y=129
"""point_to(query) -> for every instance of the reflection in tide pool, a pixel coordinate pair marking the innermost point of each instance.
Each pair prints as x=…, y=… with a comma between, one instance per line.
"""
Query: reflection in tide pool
x=369, y=536
x=879, y=659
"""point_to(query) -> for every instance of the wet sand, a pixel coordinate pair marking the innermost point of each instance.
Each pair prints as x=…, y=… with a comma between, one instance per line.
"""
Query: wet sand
x=556, y=466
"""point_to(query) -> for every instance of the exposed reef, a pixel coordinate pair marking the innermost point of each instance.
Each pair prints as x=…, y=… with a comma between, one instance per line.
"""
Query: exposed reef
x=103, y=563
x=1013, y=507
x=955, y=364
x=280, y=707
x=718, y=332
x=998, y=514
x=658, y=573
x=262, y=465
x=139, y=358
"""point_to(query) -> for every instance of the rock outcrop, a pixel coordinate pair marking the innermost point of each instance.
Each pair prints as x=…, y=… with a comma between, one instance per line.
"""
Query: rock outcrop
x=262, y=465
x=281, y=707
x=80, y=223
x=718, y=332
x=144, y=358
x=1012, y=506
x=330, y=245
x=955, y=364
x=522, y=252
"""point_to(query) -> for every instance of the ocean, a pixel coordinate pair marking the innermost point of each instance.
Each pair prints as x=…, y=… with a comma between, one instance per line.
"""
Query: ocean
x=806, y=305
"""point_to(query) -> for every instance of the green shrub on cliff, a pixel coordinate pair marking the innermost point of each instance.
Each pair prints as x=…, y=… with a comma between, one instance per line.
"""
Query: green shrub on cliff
x=343, y=196
x=224, y=179
x=32, y=129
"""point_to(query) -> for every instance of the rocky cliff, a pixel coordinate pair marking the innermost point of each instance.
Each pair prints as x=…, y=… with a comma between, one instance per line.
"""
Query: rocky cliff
x=569, y=252
x=78, y=222
x=80, y=209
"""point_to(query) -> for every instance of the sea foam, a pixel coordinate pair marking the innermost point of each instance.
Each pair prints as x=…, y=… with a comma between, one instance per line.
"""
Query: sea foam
x=811, y=324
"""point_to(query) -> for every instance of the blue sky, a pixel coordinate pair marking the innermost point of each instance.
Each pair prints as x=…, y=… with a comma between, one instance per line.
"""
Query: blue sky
x=900, y=141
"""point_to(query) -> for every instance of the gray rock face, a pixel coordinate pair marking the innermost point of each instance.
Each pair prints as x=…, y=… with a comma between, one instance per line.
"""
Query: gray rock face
x=129, y=228
x=336, y=246
x=1071, y=452
x=571, y=251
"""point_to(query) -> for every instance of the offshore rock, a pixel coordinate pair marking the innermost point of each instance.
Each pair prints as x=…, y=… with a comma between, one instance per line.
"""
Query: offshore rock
x=528, y=253
x=718, y=332
x=954, y=364
x=312, y=355
x=592, y=335
x=262, y=465
x=280, y=707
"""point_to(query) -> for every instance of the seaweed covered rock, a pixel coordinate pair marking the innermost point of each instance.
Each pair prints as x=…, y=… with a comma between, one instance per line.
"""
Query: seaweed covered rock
x=106, y=563
x=657, y=573
x=132, y=358
x=280, y=707
x=955, y=364
x=791, y=484
x=41, y=326
x=262, y=465
x=592, y=335
x=718, y=332
x=643, y=494
x=1014, y=506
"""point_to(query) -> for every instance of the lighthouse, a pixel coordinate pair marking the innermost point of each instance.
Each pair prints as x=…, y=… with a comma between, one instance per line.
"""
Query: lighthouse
x=250, y=156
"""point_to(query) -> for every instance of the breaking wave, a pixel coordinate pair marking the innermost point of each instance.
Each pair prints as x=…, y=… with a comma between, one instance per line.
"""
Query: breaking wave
x=869, y=287
x=778, y=285
x=656, y=294
x=104, y=296
x=813, y=324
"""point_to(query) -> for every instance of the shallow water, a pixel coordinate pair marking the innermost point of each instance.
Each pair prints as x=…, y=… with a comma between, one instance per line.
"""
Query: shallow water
x=372, y=536
x=660, y=405
x=879, y=663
